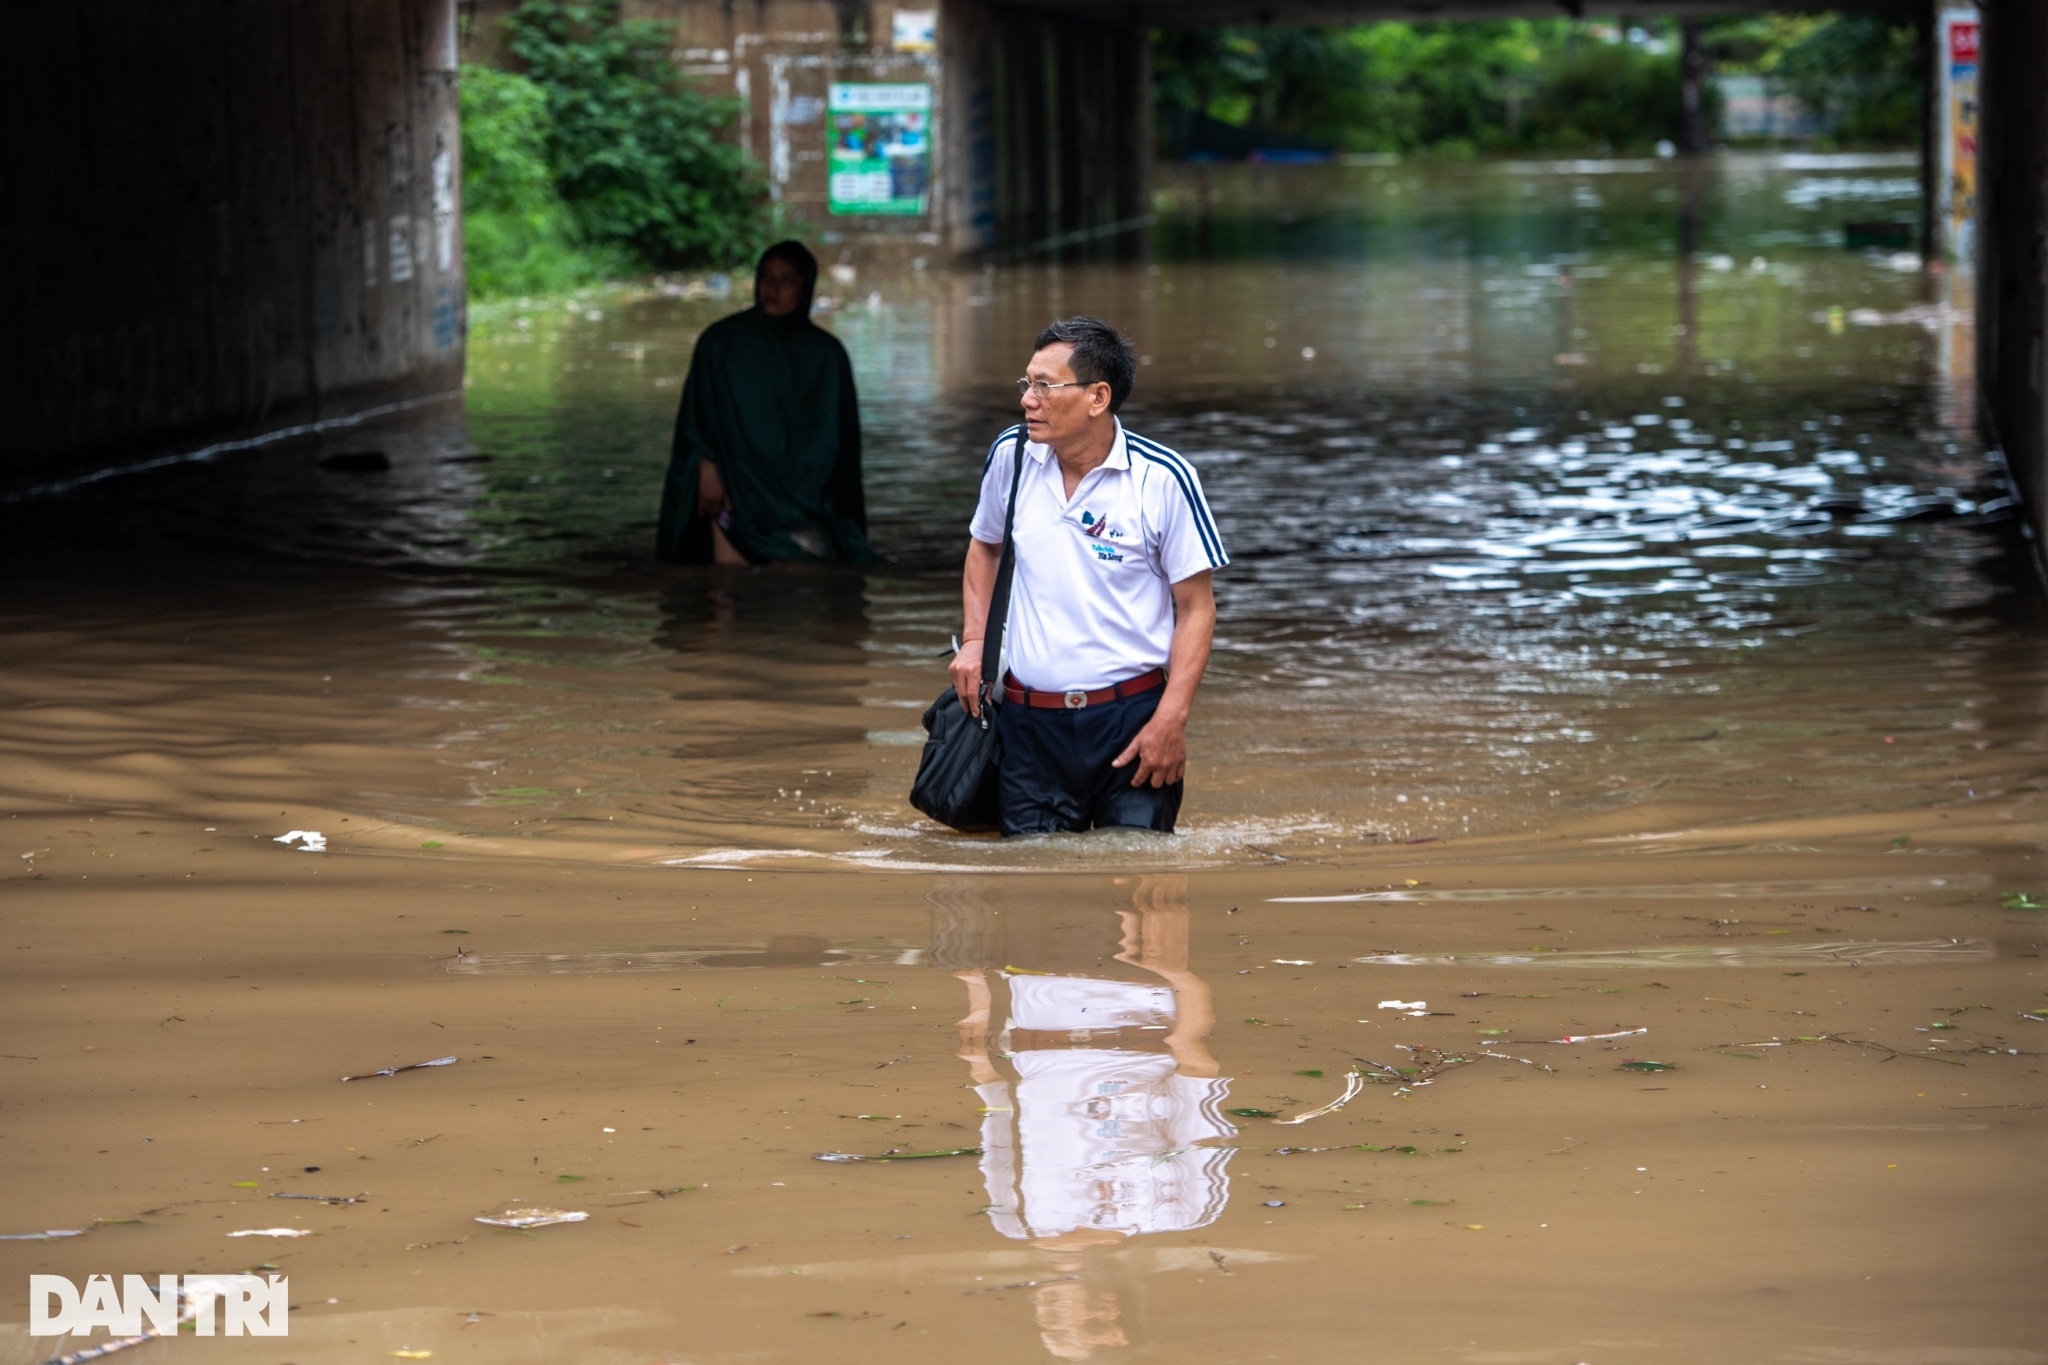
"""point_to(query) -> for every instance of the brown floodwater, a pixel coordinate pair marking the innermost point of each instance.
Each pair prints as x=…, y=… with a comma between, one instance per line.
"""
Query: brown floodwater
x=1629, y=689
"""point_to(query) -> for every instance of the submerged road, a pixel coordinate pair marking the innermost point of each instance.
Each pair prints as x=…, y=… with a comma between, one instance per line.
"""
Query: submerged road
x=1622, y=647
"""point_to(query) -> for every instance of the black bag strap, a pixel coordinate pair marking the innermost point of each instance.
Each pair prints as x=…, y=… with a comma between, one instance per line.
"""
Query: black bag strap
x=999, y=600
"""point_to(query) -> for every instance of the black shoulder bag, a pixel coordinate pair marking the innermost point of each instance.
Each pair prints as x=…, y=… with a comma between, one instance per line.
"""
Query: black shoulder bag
x=956, y=776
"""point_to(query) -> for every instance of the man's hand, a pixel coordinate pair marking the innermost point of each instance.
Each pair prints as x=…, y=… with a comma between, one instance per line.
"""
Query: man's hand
x=966, y=671
x=1161, y=749
x=710, y=489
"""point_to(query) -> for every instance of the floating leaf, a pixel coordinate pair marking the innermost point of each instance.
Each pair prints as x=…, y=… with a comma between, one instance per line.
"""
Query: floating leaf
x=569, y=1179
x=1317, y=1074
x=2020, y=900
x=431, y=843
x=1899, y=841
x=1646, y=1066
x=1430, y=1203
x=1254, y=1113
x=455, y=931
x=1259, y=1022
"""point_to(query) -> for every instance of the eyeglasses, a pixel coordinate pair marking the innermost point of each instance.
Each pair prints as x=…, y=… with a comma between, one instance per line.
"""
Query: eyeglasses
x=1041, y=388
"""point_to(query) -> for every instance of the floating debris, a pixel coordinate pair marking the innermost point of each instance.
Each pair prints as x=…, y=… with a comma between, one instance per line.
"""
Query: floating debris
x=1577, y=1038
x=321, y=1198
x=308, y=840
x=394, y=1070
x=534, y=1218
x=1853, y=953
x=1403, y=1004
x=1354, y=1084
x=1647, y=1066
x=273, y=1232
x=49, y=1236
x=898, y=1156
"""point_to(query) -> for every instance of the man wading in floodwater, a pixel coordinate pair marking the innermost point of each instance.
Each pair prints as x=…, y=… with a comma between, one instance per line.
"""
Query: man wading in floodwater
x=1111, y=610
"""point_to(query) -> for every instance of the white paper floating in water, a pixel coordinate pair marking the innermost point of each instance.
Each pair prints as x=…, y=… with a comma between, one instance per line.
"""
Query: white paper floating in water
x=534, y=1218
x=273, y=1232
x=1404, y=1004
x=49, y=1236
x=308, y=840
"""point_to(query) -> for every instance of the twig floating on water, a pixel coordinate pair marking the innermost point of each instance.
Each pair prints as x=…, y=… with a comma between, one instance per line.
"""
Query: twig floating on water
x=394, y=1070
x=321, y=1198
x=1032, y=1284
x=898, y=1156
x=1577, y=1038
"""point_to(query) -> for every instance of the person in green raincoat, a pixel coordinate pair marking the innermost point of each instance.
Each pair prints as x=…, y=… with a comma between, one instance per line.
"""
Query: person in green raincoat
x=765, y=467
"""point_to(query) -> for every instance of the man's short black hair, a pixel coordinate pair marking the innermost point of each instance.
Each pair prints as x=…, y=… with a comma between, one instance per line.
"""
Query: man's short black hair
x=1102, y=355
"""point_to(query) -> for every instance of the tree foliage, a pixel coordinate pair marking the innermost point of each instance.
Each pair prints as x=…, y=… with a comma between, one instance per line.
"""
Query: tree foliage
x=1519, y=85
x=519, y=237
x=1861, y=74
x=644, y=162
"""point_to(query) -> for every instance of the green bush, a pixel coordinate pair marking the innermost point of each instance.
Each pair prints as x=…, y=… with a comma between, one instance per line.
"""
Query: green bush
x=518, y=235
x=1600, y=97
x=643, y=162
x=1859, y=72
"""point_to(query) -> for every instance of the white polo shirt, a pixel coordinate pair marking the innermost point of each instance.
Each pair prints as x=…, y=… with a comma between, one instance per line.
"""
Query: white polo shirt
x=1092, y=600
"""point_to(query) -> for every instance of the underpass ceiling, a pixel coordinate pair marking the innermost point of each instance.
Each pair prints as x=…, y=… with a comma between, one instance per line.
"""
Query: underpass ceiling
x=1214, y=13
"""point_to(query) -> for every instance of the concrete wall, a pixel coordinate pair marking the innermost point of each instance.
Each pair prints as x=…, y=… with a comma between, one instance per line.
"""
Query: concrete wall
x=1042, y=122
x=222, y=216
x=2012, y=235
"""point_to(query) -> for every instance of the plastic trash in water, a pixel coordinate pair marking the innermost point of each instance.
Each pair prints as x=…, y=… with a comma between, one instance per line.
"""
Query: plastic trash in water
x=1404, y=1004
x=273, y=1232
x=394, y=1070
x=534, y=1218
x=49, y=1236
x=307, y=840
x=1353, y=1083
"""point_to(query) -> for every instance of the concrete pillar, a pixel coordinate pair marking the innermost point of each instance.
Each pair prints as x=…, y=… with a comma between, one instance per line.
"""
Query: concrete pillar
x=1694, y=135
x=1928, y=57
x=2012, y=235
x=222, y=216
x=1069, y=123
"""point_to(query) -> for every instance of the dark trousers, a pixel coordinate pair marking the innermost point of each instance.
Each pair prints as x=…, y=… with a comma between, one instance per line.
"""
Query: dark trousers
x=1056, y=773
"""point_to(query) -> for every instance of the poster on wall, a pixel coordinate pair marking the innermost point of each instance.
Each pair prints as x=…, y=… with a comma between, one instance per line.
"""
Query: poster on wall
x=1959, y=32
x=880, y=154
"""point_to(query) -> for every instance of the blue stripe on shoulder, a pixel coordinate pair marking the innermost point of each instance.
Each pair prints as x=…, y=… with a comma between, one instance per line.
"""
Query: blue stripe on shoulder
x=1009, y=435
x=1182, y=473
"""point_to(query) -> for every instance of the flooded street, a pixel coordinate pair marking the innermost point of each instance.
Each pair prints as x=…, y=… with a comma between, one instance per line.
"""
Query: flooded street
x=1630, y=690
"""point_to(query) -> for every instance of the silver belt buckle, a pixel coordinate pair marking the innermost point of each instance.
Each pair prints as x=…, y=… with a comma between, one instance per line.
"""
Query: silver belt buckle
x=1076, y=698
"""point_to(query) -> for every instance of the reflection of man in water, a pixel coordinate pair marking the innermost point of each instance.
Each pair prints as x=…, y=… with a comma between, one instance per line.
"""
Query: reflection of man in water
x=1101, y=1134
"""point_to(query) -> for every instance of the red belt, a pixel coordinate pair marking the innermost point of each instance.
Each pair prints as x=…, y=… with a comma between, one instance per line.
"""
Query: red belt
x=1076, y=698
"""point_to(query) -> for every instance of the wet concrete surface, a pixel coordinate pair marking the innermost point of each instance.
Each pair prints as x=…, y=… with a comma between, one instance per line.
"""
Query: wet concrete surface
x=1578, y=676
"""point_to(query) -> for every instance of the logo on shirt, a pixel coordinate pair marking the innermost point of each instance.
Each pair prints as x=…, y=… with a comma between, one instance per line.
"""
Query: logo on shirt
x=1099, y=526
x=1105, y=555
